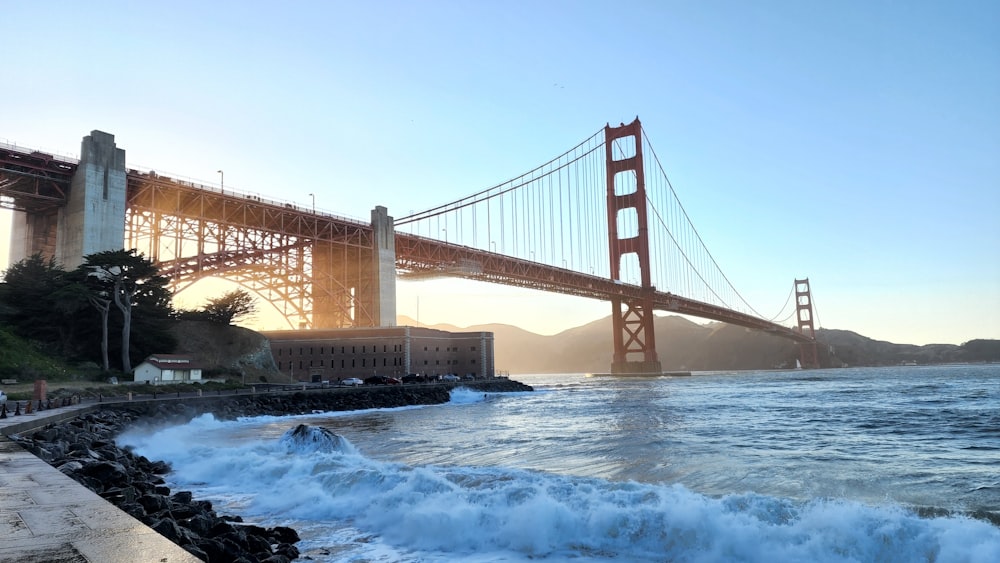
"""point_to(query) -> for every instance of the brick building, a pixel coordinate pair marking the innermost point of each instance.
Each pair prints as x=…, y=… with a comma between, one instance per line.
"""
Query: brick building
x=332, y=354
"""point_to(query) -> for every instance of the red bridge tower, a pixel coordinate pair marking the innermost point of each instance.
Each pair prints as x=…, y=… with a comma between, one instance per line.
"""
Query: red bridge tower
x=635, y=343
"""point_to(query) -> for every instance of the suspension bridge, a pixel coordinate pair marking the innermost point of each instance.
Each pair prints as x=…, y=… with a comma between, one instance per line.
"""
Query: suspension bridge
x=600, y=221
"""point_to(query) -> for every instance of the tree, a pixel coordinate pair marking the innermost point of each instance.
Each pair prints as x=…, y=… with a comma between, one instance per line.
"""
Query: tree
x=236, y=304
x=37, y=303
x=99, y=297
x=129, y=279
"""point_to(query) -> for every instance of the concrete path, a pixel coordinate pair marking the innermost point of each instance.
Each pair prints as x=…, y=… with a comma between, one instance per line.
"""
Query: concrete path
x=46, y=517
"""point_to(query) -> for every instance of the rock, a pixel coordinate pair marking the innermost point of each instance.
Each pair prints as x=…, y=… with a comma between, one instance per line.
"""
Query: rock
x=153, y=503
x=108, y=472
x=168, y=529
x=283, y=534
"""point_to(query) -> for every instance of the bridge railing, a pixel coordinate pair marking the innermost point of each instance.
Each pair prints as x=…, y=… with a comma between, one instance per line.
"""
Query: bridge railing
x=254, y=196
x=12, y=146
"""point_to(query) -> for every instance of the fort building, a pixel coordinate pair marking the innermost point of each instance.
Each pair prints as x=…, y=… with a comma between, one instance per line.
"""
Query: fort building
x=331, y=354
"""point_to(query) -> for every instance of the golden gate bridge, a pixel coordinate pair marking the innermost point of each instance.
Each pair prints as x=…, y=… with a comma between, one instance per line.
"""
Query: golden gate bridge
x=600, y=221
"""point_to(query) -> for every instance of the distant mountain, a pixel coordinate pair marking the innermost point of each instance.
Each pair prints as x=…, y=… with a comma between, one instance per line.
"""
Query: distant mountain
x=688, y=346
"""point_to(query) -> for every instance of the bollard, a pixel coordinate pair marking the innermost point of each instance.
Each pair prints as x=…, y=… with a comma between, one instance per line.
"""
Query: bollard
x=3, y=411
x=129, y=395
x=100, y=397
x=253, y=390
x=48, y=404
x=199, y=392
x=40, y=407
x=17, y=408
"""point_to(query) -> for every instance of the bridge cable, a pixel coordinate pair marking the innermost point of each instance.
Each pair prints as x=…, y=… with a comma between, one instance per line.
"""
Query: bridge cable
x=787, y=301
x=684, y=211
x=475, y=197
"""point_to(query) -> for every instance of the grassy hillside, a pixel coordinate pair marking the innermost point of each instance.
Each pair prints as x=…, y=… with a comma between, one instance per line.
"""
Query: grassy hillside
x=21, y=360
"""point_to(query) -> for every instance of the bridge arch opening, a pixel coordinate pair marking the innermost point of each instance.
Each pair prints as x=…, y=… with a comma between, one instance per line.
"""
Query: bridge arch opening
x=269, y=316
x=625, y=183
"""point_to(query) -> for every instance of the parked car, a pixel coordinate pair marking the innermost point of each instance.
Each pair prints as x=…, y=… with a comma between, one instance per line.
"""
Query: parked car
x=381, y=380
x=351, y=382
x=449, y=377
x=414, y=378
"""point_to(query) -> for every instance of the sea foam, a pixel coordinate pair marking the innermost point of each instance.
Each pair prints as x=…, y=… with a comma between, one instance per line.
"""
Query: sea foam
x=350, y=506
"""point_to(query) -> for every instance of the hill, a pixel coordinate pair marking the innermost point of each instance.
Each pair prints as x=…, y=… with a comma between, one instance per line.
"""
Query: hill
x=225, y=350
x=688, y=346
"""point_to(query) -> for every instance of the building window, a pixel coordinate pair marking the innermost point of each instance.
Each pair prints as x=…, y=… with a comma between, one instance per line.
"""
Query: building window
x=473, y=348
x=425, y=348
x=279, y=352
x=473, y=361
x=354, y=349
x=300, y=364
x=310, y=350
x=383, y=362
x=300, y=350
x=425, y=362
x=321, y=363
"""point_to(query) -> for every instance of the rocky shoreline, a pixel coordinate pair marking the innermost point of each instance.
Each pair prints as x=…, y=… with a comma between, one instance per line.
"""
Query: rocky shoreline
x=84, y=449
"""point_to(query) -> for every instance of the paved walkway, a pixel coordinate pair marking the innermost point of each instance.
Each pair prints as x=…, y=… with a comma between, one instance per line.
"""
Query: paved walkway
x=47, y=517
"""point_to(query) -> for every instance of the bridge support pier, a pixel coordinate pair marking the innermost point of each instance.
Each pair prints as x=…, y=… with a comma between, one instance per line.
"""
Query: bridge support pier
x=808, y=356
x=355, y=285
x=632, y=319
x=384, y=267
x=93, y=219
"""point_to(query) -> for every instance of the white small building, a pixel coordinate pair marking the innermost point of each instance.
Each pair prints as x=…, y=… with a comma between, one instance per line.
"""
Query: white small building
x=167, y=368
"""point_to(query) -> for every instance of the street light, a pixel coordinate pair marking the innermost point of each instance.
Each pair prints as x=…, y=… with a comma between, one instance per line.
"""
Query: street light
x=222, y=181
x=313, y=196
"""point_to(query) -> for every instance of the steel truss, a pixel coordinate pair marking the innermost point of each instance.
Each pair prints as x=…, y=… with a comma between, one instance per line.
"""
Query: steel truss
x=315, y=269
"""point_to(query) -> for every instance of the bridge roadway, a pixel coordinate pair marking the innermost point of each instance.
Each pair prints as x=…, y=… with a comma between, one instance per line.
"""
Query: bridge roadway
x=35, y=181
x=418, y=257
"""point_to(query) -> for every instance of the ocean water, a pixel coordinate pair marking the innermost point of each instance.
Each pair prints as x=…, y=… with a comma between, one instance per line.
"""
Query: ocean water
x=887, y=464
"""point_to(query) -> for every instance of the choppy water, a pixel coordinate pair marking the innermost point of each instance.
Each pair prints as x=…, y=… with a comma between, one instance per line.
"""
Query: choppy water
x=880, y=464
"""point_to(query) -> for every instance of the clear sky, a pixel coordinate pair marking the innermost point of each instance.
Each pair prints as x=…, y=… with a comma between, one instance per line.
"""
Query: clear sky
x=856, y=142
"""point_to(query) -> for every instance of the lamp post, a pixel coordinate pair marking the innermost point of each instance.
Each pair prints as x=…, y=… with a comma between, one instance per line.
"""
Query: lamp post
x=313, y=196
x=222, y=181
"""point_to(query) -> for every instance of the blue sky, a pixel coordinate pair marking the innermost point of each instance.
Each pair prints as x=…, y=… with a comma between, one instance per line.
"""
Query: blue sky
x=855, y=143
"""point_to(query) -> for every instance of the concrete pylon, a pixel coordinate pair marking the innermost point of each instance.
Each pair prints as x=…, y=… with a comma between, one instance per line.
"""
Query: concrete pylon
x=384, y=266
x=94, y=217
